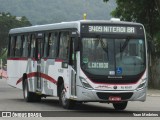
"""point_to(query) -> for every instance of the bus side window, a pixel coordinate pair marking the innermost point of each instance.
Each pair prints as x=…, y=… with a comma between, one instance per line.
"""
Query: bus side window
x=12, y=46
x=71, y=53
x=33, y=46
x=42, y=46
x=25, y=47
x=63, y=46
x=29, y=44
x=45, y=55
x=52, y=44
x=18, y=47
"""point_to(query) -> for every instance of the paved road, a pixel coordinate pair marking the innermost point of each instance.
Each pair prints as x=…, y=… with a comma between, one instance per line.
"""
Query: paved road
x=11, y=99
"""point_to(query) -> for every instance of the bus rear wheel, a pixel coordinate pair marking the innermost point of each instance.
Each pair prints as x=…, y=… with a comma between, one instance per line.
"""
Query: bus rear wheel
x=66, y=103
x=29, y=96
x=120, y=106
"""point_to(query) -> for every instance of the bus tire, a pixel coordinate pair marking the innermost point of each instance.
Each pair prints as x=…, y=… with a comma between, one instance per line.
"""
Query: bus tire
x=37, y=97
x=28, y=96
x=64, y=102
x=120, y=106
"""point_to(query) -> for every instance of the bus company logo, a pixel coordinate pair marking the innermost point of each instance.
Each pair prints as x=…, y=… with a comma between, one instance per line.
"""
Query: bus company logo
x=104, y=86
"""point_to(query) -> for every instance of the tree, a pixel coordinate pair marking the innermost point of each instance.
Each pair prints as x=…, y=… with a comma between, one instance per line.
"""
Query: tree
x=145, y=12
x=158, y=5
x=141, y=11
x=7, y=22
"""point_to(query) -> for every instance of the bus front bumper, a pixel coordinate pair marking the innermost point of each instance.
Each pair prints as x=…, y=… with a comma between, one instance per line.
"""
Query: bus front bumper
x=87, y=95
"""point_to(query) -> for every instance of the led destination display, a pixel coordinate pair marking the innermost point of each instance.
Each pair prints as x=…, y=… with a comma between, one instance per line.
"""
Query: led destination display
x=112, y=29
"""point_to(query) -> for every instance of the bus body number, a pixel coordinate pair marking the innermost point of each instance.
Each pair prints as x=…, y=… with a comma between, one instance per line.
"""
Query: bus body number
x=60, y=70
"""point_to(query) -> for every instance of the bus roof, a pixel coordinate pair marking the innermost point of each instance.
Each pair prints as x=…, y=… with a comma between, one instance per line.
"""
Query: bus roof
x=66, y=25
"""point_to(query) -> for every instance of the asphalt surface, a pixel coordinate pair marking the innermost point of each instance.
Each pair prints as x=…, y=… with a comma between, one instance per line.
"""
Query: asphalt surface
x=11, y=99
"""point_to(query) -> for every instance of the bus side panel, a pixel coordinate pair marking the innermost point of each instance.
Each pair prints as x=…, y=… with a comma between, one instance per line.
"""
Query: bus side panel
x=50, y=68
x=15, y=71
x=54, y=70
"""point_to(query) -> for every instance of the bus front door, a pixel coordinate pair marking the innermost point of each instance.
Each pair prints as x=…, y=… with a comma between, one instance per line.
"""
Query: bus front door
x=73, y=63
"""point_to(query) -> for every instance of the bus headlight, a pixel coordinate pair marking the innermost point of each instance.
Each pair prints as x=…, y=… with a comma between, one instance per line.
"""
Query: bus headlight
x=142, y=83
x=85, y=83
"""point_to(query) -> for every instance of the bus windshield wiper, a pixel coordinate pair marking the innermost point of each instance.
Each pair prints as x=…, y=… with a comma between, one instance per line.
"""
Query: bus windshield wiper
x=105, y=47
x=125, y=44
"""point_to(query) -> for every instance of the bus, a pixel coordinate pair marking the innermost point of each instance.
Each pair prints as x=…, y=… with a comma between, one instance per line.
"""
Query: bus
x=80, y=61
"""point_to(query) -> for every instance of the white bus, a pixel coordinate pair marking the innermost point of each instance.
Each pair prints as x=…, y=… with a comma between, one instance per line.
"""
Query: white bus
x=80, y=61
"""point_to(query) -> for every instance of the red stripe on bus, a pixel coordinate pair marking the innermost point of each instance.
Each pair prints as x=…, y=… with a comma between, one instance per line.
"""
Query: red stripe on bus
x=33, y=74
x=21, y=59
x=115, y=83
x=42, y=75
x=58, y=60
x=17, y=59
x=20, y=80
x=45, y=59
x=48, y=78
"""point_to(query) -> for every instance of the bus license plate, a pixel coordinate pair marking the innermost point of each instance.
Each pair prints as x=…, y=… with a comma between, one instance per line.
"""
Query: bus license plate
x=113, y=98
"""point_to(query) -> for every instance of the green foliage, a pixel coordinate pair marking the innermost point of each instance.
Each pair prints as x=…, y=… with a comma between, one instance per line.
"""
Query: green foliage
x=145, y=12
x=7, y=22
x=139, y=11
x=4, y=56
x=157, y=43
x=142, y=11
x=158, y=4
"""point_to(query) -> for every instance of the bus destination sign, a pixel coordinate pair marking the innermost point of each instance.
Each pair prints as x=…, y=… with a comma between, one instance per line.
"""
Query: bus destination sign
x=111, y=29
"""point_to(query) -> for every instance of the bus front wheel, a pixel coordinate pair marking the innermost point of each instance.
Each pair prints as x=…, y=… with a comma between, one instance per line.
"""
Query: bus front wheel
x=120, y=106
x=66, y=103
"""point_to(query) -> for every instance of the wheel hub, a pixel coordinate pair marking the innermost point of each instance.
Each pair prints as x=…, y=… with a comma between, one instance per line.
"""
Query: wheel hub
x=63, y=96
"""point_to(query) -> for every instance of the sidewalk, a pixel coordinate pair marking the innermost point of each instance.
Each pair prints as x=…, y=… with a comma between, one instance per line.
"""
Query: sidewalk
x=153, y=92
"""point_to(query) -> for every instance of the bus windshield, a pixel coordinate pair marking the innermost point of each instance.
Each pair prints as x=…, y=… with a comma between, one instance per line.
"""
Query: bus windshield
x=117, y=57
